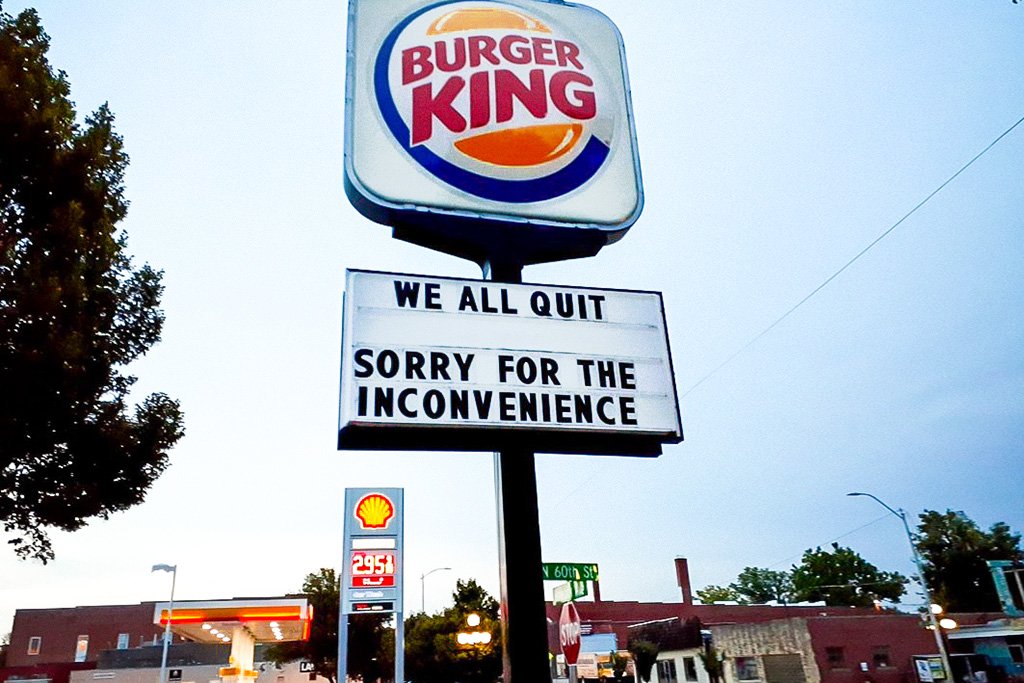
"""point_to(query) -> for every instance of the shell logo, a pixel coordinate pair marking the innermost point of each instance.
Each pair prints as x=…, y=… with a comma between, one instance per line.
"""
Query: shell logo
x=494, y=101
x=374, y=511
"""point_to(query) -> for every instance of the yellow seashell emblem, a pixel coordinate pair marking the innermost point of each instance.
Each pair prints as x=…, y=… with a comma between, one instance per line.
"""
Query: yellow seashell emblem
x=374, y=511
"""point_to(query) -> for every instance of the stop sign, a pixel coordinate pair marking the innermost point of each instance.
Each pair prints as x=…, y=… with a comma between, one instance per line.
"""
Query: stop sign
x=569, y=632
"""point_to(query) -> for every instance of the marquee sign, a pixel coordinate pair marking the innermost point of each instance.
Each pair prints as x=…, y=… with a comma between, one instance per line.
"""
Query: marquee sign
x=371, y=570
x=468, y=118
x=434, y=363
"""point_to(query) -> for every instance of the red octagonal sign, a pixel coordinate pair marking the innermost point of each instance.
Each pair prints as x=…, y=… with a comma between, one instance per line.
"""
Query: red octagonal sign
x=569, y=632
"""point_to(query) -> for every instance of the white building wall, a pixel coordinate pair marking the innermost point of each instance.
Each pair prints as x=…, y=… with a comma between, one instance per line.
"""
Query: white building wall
x=678, y=657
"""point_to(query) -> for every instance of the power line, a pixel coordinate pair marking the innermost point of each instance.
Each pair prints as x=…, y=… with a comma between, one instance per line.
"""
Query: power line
x=852, y=260
x=843, y=535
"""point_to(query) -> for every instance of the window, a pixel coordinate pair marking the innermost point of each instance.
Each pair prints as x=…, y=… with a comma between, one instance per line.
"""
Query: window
x=881, y=657
x=81, y=648
x=122, y=641
x=667, y=671
x=836, y=657
x=1017, y=654
x=746, y=669
x=34, y=643
x=690, y=668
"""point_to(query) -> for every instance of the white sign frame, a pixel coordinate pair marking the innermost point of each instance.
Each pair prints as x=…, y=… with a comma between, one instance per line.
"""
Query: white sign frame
x=435, y=374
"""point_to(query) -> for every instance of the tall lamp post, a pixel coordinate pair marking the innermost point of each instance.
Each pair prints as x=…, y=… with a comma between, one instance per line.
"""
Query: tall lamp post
x=173, y=569
x=936, y=629
x=423, y=584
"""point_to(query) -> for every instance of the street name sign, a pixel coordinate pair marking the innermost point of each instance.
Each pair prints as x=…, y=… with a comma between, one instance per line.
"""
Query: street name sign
x=431, y=363
x=491, y=128
x=567, y=592
x=569, y=571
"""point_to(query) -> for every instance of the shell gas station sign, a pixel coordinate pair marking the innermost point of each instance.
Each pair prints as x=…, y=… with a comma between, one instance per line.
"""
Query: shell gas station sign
x=510, y=114
x=371, y=570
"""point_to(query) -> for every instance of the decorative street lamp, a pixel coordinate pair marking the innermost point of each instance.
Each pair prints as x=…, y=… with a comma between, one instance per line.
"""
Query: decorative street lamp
x=473, y=637
x=423, y=584
x=939, y=641
x=173, y=569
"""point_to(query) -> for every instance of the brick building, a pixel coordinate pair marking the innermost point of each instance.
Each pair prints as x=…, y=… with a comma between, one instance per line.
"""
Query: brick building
x=78, y=634
x=600, y=616
x=832, y=649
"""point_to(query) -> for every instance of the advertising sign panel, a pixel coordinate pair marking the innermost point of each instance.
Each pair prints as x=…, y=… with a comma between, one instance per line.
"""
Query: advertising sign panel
x=491, y=127
x=371, y=570
x=431, y=363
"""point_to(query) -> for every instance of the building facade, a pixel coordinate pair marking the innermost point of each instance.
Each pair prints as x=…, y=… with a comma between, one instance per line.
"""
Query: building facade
x=832, y=649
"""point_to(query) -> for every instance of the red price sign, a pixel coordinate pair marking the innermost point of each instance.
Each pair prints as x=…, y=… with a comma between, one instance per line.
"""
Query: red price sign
x=373, y=568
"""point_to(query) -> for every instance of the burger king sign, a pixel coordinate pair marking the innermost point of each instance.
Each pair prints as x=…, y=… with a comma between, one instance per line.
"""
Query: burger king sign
x=491, y=129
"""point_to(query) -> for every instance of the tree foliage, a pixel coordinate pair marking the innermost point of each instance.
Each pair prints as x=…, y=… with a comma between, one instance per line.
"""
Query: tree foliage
x=73, y=310
x=954, y=551
x=712, y=593
x=433, y=655
x=645, y=654
x=758, y=586
x=713, y=662
x=841, y=577
x=838, y=577
x=753, y=586
x=368, y=651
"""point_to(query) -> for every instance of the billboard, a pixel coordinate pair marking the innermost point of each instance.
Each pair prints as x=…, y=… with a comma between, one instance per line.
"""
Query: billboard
x=432, y=363
x=491, y=127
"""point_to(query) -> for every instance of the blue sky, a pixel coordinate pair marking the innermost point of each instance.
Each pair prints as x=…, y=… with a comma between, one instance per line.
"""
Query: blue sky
x=777, y=140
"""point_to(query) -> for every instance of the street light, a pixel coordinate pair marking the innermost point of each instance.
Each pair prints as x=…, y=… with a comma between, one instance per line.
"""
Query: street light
x=924, y=583
x=173, y=569
x=423, y=583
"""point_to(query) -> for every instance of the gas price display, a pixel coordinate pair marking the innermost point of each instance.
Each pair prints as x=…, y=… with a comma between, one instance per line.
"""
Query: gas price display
x=373, y=568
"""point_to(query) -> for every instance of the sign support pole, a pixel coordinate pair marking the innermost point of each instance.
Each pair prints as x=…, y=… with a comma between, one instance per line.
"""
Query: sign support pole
x=524, y=631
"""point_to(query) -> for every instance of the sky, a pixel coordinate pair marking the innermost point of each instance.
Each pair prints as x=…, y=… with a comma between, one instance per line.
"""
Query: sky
x=777, y=140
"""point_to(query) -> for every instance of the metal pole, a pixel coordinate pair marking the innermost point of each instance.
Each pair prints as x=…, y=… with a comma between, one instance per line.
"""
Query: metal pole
x=399, y=648
x=167, y=626
x=524, y=631
x=343, y=645
x=936, y=629
x=423, y=586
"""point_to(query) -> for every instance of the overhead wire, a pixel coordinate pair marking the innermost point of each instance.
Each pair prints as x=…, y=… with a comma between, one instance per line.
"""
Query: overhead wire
x=853, y=260
x=825, y=283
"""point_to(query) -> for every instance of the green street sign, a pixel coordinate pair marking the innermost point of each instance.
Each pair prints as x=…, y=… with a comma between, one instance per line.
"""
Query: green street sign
x=567, y=592
x=569, y=571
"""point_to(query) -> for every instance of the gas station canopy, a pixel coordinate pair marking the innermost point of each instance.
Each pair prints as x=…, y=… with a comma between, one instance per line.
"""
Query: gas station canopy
x=215, y=621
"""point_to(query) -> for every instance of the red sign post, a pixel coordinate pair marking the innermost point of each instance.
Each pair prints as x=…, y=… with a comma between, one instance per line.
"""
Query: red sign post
x=569, y=633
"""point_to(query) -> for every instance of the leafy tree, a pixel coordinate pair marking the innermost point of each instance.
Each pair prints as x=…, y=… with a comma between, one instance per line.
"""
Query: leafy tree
x=842, y=577
x=713, y=593
x=5, y=644
x=73, y=310
x=758, y=586
x=954, y=550
x=645, y=654
x=713, y=661
x=366, y=648
x=433, y=655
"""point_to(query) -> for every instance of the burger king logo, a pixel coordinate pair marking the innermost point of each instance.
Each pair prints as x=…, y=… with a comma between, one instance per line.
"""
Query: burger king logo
x=494, y=101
